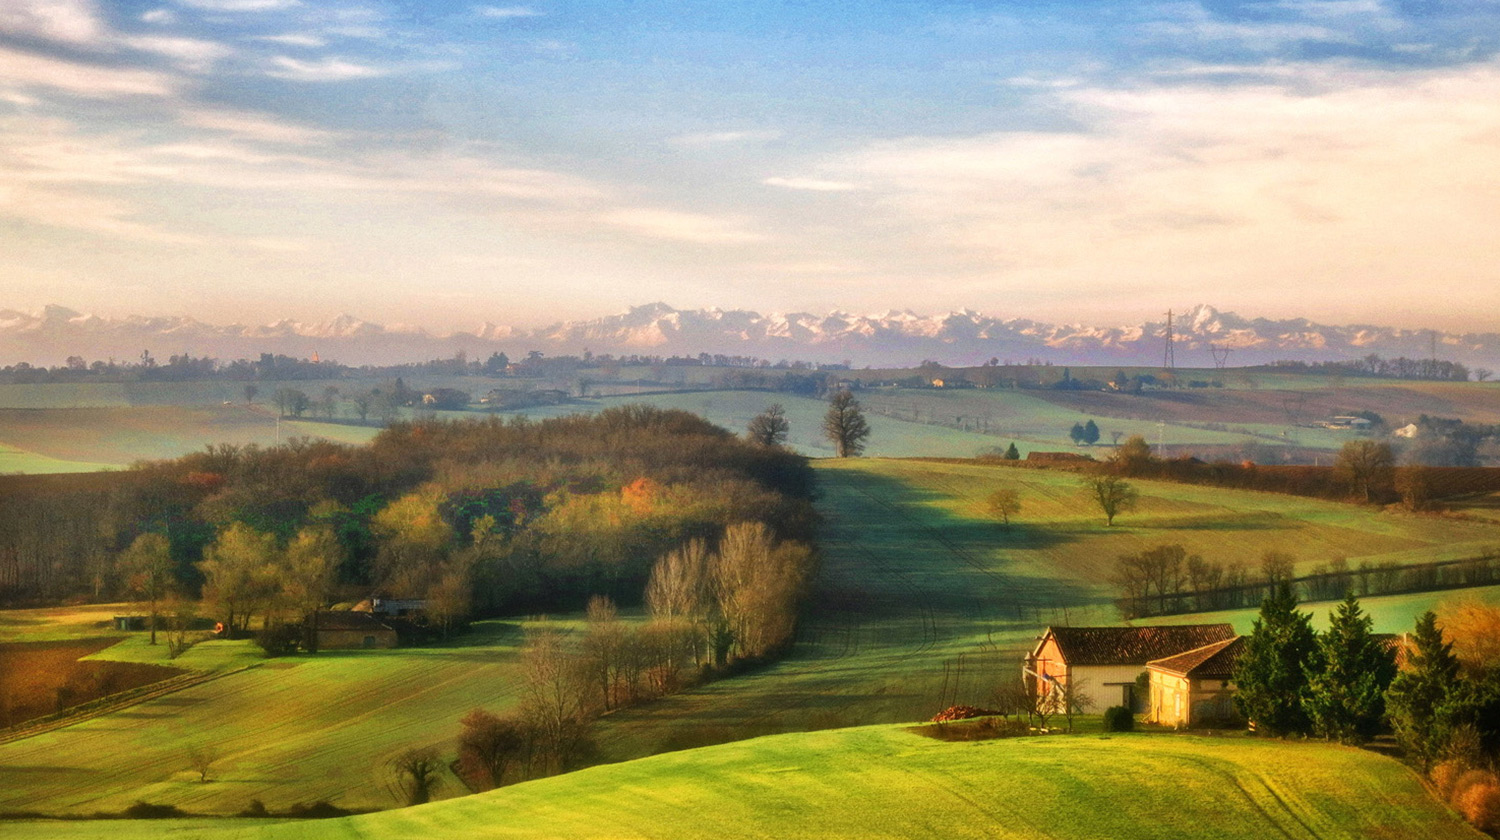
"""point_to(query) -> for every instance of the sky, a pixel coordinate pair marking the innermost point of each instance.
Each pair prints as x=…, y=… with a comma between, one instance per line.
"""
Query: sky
x=448, y=164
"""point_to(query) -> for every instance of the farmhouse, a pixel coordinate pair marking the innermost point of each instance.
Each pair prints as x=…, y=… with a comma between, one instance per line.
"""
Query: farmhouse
x=1195, y=687
x=353, y=630
x=1101, y=664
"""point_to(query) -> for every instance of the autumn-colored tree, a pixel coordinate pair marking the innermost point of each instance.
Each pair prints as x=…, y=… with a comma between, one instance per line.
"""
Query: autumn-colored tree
x=489, y=747
x=308, y=575
x=147, y=564
x=603, y=644
x=1132, y=457
x=1003, y=504
x=414, y=540
x=1473, y=629
x=239, y=573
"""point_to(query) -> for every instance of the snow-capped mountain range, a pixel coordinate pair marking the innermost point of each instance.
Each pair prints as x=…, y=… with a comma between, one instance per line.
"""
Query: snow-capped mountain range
x=895, y=338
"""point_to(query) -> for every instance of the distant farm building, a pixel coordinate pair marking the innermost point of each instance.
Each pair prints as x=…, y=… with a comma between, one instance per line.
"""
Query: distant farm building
x=512, y=399
x=353, y=631
x=1196, y=687
x=1101, y=664
x=1358, y=424
x=400, y=607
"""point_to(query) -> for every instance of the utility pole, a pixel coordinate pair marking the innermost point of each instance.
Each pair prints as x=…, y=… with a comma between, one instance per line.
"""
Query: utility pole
x=1169, y=354
x=1221, y=355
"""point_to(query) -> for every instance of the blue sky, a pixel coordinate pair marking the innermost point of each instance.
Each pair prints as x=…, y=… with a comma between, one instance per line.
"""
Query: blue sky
x=446, y=164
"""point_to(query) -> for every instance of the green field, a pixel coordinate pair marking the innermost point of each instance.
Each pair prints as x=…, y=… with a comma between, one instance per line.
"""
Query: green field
x=287, y=731
x=87, y=439
x=886, y=782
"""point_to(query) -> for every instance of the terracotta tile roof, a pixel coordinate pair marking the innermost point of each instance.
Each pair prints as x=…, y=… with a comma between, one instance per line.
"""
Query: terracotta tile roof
x=1212, y=661
x=1134, y=645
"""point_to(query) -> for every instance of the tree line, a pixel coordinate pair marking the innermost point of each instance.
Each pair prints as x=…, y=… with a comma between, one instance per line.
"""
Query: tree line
x=499, y=516
x=709, y=607
x=1166, y=580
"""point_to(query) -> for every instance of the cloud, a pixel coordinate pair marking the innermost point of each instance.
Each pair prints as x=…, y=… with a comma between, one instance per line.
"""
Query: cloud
x=506, y=12
x=325, y=70
x=706, y=139
x=677, y=226
x=188, y=53
x=252, y=126
x=160, y=17
x=67, y=21
x=812, y=184
x=295, y=40
x=1338, y=178
x=240, y=5
x=91, y=81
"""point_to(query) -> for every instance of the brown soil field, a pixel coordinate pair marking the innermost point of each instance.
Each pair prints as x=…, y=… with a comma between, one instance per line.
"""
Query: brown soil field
x=39, y=678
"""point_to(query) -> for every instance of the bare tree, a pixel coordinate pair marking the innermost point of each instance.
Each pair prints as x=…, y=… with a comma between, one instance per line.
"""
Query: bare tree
x=417, y=774
x=1367, y=466
x=604, y=648
x=770, y=427
x=555, y=697
x=845, y=424
x=679, y=583
x=489, y=747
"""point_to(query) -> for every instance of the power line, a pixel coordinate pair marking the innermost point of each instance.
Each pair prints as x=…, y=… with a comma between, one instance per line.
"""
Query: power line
x=1221, y=355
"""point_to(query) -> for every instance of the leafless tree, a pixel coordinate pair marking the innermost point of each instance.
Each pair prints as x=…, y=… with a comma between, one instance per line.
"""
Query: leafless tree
x=1113, y=494
x=417, y=773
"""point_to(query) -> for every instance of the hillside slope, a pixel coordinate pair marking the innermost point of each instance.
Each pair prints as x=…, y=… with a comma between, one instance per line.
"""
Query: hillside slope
x=887, y=782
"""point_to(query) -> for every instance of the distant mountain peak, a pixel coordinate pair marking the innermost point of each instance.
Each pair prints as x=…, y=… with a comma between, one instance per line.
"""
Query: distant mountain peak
x=897, y=337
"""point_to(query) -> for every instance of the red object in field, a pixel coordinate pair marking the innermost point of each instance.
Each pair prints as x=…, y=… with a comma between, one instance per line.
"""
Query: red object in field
x=218, y=628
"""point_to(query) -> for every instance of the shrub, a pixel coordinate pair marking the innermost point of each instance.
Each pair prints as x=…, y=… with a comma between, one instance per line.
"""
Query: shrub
x=1118, y=719
x=1480, y=804
x=148, y=811
x=1445, y=776
x=279, y=639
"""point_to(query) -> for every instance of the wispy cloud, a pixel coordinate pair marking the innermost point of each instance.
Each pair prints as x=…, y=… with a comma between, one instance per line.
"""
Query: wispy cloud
x=240, y=5
x=506, y=12
x=67, y=21
x=189, y=53
x=294, y=39
x=161, y=17
x=704, y=139
x=678, y=226
x=92, y=81
x=329, y=69
x=811, y=184
x=258, y=127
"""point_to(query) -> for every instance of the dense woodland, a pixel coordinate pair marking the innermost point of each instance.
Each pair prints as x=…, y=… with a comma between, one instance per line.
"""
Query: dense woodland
x=479, y=517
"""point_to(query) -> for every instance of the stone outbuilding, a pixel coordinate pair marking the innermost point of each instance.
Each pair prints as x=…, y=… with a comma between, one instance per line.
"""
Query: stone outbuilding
x=1196, y=687
x=1102, y=663
x=353, y=631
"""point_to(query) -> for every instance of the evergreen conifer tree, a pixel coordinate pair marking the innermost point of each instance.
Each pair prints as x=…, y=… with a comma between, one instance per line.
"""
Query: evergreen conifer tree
x=1091, y=433
x=1076, y=433
x=1418, y=699
x=1012, y=453
x=1271, y=675
x=1345, y=700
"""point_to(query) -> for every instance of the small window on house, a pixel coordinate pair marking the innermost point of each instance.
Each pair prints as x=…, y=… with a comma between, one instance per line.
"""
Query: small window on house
x=369, y=641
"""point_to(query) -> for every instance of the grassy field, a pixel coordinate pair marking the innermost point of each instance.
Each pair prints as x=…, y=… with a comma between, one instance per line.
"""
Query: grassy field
x=286, y=731
x=885, y=782
x=926, y=601
x=87, y=439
